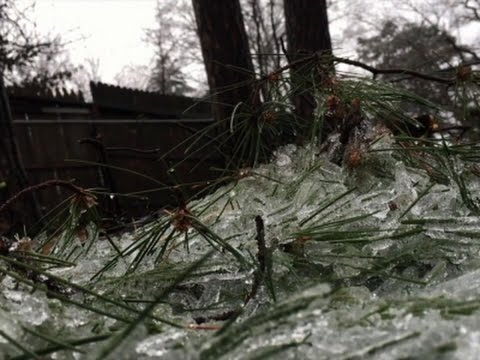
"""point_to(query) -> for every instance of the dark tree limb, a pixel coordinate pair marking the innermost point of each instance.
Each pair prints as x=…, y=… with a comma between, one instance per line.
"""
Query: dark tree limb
x=105, y=170
x=373, y=70
x=376, y=71
x=474, y=9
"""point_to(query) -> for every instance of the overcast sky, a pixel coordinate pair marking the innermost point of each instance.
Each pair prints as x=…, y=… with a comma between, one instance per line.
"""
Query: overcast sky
x=110, y=30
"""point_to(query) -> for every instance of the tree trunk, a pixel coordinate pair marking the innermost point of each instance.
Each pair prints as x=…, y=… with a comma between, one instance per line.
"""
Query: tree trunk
x=226, y=54
x=307, y=32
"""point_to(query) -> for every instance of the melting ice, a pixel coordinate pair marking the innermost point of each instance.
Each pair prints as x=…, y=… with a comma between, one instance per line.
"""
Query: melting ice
x=375, y=262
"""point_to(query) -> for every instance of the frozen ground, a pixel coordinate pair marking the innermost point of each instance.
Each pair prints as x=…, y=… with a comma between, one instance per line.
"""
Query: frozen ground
x=375, y=262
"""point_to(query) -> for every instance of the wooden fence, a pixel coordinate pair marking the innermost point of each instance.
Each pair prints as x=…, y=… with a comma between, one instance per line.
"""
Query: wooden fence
x=74, y=149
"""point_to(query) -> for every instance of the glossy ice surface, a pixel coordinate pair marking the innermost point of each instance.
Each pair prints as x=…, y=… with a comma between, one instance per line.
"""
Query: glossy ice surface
x=375, y=262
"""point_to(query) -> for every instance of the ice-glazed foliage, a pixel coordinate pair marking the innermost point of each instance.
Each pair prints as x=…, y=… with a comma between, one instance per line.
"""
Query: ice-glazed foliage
x=376, y=260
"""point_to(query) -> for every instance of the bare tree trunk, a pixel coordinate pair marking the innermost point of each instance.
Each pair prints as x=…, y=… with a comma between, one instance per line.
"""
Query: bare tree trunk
x=226, y=54
x=307, y=31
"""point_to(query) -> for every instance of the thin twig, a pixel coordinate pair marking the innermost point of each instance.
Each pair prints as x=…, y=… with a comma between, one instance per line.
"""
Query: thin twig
x=203, y=327
x=99, y=144
x=227, y=315
x=261, y=257
x=262, y=248
x=258, y=277
x=375, y=71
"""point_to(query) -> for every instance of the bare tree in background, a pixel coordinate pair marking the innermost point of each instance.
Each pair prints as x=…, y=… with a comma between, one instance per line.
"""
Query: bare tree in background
x=26, y=58
x=134, y=77
x=92, y=68
x=416, y=46
x=366, y=18
x=472, y=8
x=176, y=47
x=424, y=37
x=178, y=50
x=18, y=50
x=265, y=25
x=450, y=16
x=85, y=73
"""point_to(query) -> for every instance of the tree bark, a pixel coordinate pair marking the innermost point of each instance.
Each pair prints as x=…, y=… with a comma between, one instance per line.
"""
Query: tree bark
x=307, y=31
x=226, y=54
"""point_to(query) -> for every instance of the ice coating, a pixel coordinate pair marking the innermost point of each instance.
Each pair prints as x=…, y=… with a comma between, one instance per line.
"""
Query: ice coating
x=373, y=262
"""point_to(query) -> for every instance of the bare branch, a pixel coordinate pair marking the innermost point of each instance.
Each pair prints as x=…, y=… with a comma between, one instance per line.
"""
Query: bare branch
x=50, y=183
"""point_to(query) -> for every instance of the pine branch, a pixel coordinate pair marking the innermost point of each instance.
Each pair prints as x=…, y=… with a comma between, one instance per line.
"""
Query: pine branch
x=50, y=183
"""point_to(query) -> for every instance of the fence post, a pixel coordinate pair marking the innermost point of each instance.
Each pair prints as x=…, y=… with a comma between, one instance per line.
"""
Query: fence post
x=11, y=158
x=108, y=181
